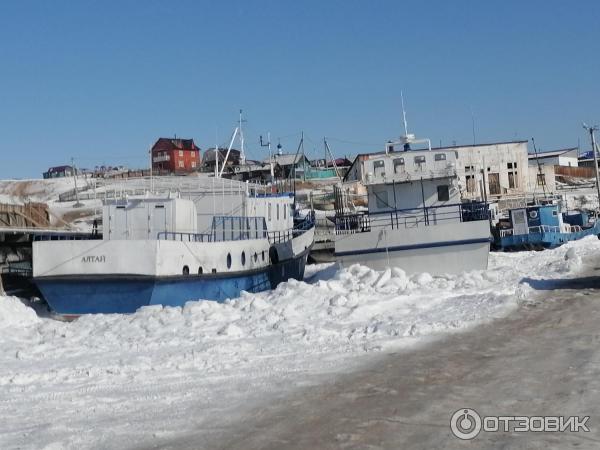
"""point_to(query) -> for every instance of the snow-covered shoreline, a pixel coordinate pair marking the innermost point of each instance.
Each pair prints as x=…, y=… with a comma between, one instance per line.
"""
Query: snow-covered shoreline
x=127, y=380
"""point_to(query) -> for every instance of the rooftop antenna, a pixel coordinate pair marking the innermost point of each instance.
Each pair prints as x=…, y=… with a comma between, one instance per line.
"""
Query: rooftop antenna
x=594, y=151
x=404, y=114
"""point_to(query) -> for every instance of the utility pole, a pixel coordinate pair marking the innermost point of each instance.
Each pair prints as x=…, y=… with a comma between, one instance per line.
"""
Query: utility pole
x=77, y=204
x=594, y=150
x=268, y=144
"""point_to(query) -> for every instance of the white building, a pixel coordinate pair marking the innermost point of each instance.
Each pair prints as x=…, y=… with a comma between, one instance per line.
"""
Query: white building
x=493, y=170
x=567, y=157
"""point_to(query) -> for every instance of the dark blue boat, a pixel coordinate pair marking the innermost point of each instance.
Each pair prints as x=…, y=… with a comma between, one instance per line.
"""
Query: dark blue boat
x=542, y=226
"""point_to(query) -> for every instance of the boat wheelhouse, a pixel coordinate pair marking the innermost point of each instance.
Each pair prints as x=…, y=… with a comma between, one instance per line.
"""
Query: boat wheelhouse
x=414, y=218
x=208, y=244
x=541, y=226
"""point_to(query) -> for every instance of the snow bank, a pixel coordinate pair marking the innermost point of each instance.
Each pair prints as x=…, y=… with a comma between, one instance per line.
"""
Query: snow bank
x=15, y=315
x=170, y=370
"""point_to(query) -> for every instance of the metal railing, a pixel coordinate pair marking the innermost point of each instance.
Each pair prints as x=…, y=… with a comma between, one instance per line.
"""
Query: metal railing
x=277, y=237
x=364, y=221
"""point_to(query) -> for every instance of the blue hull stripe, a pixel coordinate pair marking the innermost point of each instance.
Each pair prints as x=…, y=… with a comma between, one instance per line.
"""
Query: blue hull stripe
x=400, y=248
x=85, y=294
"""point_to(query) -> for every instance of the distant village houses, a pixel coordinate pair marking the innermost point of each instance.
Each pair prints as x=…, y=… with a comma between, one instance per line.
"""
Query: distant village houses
x=175, y=155
x=211, y=156
x=59, y=172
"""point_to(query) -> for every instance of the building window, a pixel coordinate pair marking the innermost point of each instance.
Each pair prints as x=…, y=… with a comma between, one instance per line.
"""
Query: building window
x=440, y=157
x=419, y=159
x=511, y=180
x=443, y=193
x=193, y=163
x=181, y=164
x=541, y=179
x=180, y=152
x=192, y=154
x=471, y=183
x=509, y=165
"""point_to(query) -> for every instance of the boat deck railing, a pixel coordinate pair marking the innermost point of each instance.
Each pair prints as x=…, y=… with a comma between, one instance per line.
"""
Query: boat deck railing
x=365, y=221
x=277, y=237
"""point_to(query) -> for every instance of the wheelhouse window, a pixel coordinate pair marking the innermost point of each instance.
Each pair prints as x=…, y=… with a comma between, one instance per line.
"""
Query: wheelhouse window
x=419, y=159
x=378, y=167
x=443, y=192
x=398, y=164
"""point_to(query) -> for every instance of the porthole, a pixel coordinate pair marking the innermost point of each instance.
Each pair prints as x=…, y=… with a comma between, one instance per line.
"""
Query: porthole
x=186, y=270
x=229, y=260
x=243, y=258
x=263, y=256
x=200, y=271
x=255, y=256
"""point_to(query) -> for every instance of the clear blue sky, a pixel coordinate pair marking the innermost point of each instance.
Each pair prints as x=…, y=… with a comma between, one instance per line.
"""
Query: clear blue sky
x=101, y=81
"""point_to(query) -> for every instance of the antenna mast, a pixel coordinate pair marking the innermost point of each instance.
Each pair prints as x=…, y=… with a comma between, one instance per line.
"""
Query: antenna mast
x=594, y=150
x=242, y=152
x=404, y=114
x=542, y=177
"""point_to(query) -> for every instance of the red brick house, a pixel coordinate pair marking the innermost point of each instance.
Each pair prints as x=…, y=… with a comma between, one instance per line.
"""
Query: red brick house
x=175, y=155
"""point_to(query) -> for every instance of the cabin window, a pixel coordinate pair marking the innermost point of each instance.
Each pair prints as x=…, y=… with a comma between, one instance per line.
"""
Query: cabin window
x=229, y=260
x=277, y=211
x=443, y=192
x=200, y=271
x=243, y=258
x=159, y=206
x=379, y=167
x=555, y=213
x=269, y=215
x=284, y=211
x=120, y=207
x=186, y=270
x=440, y=157
x=398, y=162
x=263, y=256
x=255, y=256
x=419, y=159
x=214, y=271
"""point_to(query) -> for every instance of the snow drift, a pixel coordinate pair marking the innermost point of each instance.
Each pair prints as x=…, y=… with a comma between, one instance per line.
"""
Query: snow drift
x=173, y=369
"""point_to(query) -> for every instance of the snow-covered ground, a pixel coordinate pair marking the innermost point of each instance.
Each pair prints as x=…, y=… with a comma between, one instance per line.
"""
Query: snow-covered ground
x=140, y=380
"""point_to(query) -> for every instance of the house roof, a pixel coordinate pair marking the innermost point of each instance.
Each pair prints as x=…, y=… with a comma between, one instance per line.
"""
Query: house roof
x=209, y=155
x=176, y=144
x=59, y=169
x=552, y=153
x=286, y=160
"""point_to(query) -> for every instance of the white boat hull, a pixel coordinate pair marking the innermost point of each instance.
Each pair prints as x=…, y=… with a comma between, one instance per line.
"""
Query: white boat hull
x=440, y=249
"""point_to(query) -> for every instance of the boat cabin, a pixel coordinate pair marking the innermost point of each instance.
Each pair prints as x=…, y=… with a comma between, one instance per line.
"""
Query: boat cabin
x=411, y=179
